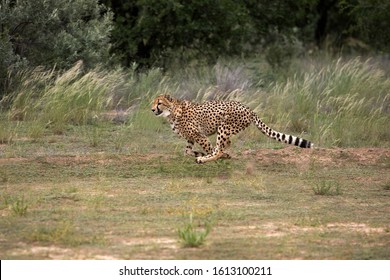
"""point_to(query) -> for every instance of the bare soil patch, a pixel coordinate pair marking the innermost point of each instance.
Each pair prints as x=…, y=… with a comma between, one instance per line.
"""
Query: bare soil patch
x=288, y=155
x=326, y=157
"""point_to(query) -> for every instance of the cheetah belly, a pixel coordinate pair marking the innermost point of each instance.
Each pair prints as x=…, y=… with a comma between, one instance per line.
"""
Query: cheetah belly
x=209, y=126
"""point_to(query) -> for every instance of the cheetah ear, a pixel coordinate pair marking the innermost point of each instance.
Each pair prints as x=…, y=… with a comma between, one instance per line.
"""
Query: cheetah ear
x=168, y=97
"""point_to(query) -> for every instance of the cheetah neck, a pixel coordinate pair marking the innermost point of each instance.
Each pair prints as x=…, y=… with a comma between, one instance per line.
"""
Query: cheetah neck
x=176, y=111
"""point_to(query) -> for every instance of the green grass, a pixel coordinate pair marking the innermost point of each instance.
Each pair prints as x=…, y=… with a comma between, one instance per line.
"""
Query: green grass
x=75, y=185
x=61, y=233
x=87, y=201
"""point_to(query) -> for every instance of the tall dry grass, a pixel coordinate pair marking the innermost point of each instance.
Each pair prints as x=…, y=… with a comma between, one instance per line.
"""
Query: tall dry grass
x=341, y=103
x=72, y=97
x=332, y=102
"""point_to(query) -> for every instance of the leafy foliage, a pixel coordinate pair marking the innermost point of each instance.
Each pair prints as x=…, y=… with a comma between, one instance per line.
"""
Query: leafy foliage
x=156, y=31
x=48, y=32
x=52, y=33
x=370, y=21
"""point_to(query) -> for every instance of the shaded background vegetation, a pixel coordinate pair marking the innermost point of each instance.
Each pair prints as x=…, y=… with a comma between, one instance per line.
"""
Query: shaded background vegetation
x=157, y=33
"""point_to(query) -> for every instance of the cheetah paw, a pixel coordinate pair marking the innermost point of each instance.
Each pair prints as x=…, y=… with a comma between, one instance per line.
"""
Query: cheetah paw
x=226, y=156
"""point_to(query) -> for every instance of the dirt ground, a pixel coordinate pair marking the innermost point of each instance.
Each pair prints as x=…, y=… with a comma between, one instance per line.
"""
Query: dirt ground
x=288, y=155
x=326, y=157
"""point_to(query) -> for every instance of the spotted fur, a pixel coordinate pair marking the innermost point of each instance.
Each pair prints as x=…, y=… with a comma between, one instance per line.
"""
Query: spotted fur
x=195, y=122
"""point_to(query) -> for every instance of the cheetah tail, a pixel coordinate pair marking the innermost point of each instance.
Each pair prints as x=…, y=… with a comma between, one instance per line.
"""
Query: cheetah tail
x=281, y=137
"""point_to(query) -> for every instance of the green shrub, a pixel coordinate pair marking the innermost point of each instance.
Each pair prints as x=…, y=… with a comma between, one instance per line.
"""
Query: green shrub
x=56, y=32
x=327, y=187
x=191, y=237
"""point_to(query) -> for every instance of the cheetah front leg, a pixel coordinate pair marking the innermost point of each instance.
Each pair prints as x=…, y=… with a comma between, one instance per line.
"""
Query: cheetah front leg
x=189, y=150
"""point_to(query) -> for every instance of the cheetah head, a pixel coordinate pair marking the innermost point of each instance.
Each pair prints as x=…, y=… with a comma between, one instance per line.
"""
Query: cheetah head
x=162, y=104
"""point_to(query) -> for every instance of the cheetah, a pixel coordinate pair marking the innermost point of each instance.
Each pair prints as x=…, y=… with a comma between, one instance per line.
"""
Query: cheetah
x=195, y=122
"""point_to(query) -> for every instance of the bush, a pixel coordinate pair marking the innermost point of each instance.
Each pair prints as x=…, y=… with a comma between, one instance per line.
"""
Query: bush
x=52, y=33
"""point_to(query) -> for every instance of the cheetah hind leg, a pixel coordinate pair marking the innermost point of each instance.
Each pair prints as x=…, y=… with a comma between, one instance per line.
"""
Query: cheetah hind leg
x=214, y=156
x=218, y=152
x=191, y=152
x=204, y=142
x=224, y=154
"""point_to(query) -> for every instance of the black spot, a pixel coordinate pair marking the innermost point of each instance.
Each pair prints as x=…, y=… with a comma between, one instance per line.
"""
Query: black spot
x=290, y=139
x=283, y=136
x=296, y=141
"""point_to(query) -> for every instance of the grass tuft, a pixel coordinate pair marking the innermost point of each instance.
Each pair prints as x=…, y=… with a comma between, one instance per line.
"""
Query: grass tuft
x=19, y=207
x=327, y=187
x=7, y=134
x=62, y=233
x=190, y=237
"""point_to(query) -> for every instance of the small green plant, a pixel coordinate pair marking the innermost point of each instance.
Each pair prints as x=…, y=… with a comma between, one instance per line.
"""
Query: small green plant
x=19, y=207
x=36, y=131
x=308, y=221
x=63, y=232
x=6, y=133
x=94, y=137
x=120, y=138
x=327, y=187
x=386, y=186
x=4, y=178
x=190, y=237
x=4, y=201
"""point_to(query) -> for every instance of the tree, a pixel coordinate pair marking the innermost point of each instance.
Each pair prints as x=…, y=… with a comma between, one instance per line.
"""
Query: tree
x=56, y=32
x=370, y=22
x=53, y=32
x=155, y=31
